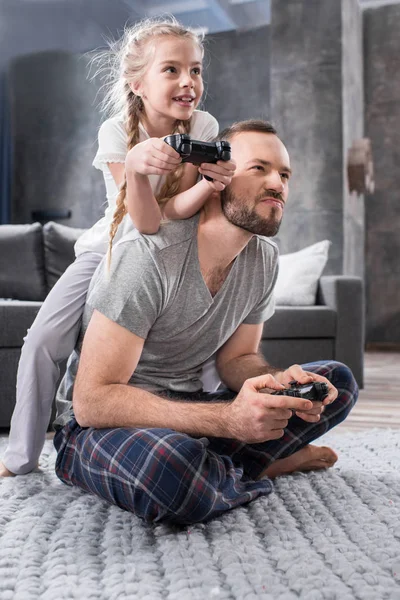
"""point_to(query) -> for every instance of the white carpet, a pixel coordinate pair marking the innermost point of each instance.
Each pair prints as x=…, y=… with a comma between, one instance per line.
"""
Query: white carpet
x=331, y=535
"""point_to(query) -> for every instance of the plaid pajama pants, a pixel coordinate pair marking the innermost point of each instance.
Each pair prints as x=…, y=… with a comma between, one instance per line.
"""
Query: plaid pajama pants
x=164, y=475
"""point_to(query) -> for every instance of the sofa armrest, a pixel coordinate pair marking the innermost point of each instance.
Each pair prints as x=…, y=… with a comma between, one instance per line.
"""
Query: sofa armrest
x=345, y=294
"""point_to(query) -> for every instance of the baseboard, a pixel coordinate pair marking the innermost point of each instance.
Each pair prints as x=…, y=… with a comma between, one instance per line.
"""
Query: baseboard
x=382, y=347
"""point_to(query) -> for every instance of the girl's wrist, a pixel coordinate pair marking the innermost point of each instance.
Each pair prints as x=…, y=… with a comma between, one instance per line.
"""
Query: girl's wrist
x=204, y=185
x=133, y=174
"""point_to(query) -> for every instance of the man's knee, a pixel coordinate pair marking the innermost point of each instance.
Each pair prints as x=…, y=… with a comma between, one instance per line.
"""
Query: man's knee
x=176, y=478
x=343, y=379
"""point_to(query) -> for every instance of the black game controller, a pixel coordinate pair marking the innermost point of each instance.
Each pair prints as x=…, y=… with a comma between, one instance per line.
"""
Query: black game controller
x=315, y=391
x=197, y=152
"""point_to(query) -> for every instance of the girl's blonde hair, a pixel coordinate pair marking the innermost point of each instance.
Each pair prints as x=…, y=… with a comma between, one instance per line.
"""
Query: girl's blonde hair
x=124, y=63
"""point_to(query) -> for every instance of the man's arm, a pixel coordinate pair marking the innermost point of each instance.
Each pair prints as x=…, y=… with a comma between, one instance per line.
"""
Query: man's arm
x=239, y=358
x=102, y=397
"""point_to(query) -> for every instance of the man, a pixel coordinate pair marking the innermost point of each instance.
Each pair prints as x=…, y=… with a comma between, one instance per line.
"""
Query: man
x=140, y=432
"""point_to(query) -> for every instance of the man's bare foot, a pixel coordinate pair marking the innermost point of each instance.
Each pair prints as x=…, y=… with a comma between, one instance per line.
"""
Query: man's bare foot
x=309, y=458
x=4, y=472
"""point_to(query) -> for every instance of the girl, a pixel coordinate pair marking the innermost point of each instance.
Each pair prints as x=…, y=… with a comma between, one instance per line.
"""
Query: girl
x=155, y=93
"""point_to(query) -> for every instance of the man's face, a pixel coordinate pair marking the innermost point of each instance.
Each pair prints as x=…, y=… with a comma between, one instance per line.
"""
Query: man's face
x=257, y=195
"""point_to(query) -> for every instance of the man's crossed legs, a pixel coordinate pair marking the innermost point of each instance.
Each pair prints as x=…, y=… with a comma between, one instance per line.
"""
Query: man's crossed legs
x=164, y=475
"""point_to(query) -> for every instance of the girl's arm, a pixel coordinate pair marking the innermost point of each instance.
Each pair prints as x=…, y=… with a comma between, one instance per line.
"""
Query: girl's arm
x=184, y=205
x=117, y=170
x=193, y=195
x=141, y=204
x=152, y=156
x=146, y=211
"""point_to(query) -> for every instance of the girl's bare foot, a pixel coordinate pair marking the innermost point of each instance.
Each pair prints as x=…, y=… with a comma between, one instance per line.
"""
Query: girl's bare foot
x=309, y=458
x=4, y=472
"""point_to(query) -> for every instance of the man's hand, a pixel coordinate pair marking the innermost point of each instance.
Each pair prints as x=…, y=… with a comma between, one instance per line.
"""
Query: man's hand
x=4, y=472
x=220, y=172
x=255, y=417
x=296, y=373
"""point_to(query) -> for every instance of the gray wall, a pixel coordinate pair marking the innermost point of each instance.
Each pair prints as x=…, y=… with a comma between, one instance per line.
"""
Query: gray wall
x=310, y=106
x=382, y=99
x=237, y=75
x=55, y=139
x=73, y=26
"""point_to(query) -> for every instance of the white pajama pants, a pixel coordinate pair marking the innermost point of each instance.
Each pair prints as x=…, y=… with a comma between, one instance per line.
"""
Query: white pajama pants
x=50, y=340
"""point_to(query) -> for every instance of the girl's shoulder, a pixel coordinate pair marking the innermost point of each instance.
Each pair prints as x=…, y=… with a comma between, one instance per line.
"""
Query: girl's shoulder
x=203, y=126
x=113, y=126
x=112, y=142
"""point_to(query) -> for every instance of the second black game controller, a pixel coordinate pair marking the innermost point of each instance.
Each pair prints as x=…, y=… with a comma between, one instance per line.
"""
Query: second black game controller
x=196, y=152
x=315, y=391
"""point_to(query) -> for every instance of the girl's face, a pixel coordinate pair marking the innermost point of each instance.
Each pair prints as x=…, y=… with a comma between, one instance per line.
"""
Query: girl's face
x=172, y=86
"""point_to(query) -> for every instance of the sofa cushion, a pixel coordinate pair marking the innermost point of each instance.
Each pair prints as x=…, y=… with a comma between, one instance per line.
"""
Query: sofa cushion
x=301, y=322
x=284, y=353
x=9, y=358
x=59, y=241
x=16, y=316
x=22, y=272
x=299, y=273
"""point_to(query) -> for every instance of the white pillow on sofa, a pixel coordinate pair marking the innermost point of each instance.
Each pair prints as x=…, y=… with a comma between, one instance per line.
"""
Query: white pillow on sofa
x=299, y=273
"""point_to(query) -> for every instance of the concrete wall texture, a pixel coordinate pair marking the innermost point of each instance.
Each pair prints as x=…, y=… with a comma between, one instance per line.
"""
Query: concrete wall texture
x=306, y=108
x=315, y=110
x=382, y=99
x=55, y=138
x=237, y=75
x=77, y=26
x=54, y=106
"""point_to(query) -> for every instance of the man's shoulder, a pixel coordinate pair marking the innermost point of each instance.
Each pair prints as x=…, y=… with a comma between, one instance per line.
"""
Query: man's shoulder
x=170, y=234
x=146, y=261
x=266, y=245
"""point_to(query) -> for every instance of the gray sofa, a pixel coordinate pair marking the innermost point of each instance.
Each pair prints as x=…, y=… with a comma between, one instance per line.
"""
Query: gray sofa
x=32, y=258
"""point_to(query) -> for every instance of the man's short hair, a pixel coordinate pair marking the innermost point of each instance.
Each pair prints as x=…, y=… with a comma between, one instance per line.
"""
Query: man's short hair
x=249, y=125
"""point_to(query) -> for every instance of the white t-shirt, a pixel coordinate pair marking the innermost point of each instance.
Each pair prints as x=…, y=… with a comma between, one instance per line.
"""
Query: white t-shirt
x=113, y=149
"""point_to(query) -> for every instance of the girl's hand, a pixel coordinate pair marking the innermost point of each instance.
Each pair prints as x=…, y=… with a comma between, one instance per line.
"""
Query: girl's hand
x=221, y=173
x=152, y=157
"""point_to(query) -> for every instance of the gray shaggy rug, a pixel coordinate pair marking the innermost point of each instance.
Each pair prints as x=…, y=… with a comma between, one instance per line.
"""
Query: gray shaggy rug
x=333, y=535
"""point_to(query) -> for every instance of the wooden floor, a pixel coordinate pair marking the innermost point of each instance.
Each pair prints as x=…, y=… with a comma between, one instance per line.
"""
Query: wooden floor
x=378, y=404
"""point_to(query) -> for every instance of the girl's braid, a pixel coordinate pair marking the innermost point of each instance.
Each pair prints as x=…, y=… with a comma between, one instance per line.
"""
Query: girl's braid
x=134, y=104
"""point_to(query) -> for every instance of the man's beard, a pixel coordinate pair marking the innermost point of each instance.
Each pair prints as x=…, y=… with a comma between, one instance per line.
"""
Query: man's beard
x=238, y=213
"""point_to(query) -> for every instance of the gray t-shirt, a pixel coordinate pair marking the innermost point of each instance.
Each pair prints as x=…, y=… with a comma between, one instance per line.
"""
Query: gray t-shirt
x=155, y=289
